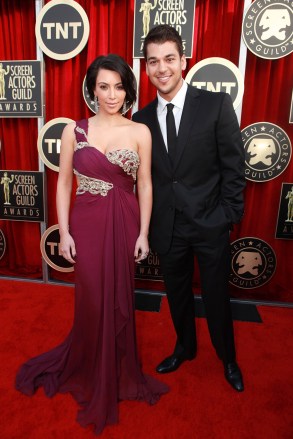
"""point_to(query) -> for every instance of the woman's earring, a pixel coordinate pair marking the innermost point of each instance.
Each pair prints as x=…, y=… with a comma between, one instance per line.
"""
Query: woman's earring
x=96, y=104
x=124, y=108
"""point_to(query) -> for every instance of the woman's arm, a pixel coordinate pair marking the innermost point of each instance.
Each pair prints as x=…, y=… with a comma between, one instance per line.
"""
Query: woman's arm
x=64, y=188
x=144, y=189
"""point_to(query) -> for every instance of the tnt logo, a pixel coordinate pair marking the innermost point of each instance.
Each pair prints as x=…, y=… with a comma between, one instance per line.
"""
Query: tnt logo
x=62, y=29
x=218, y=74
x=49, y=141
x=50, y=250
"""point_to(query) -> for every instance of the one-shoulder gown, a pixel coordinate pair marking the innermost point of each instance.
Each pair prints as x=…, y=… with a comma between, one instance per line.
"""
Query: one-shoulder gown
x=98, y=361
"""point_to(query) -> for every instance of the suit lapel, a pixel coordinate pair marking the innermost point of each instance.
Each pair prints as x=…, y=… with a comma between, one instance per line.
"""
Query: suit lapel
x=159, y=146
x=188, y=117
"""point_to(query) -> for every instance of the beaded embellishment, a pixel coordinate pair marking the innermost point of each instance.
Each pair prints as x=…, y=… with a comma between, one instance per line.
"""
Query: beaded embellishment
x=81, y=145
x=92, y=185
x=127, y=159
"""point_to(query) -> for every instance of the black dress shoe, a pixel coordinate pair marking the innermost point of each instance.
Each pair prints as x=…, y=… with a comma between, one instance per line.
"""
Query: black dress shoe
x=234, y=376
x=170, y=364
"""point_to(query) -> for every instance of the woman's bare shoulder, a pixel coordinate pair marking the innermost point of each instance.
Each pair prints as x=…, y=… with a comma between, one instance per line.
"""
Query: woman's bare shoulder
x=68, y=130
x=141, y=128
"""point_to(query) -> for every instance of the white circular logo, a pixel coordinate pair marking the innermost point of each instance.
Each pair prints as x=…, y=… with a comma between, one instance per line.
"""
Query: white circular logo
x=253, y=263
x=267, y=151
x=62, y=29
x=218, y=74
x=49, y=141
x=50, y=250
x=268, y=28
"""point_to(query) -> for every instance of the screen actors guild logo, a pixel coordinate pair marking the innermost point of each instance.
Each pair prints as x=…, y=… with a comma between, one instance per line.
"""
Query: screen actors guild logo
x=268, y=29
x=267, y=151
x=253, y=263
x=20, y=89
x=3, y=72
x=289, y=197
x=145, y=8
x=22, y=197
x=176, y=13
x=284, y=228
x=149, y=268
x=5, y=180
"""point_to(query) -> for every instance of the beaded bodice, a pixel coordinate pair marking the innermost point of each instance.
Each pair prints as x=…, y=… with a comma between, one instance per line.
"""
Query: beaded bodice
x=100, y=172
x=127, y=159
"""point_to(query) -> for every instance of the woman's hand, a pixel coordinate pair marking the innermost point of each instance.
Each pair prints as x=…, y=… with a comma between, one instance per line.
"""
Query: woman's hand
x=142, y=248
x=67, y=247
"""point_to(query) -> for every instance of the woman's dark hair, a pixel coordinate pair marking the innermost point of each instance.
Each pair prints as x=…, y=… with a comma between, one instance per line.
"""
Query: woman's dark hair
x=160, y=35
x=117, y=64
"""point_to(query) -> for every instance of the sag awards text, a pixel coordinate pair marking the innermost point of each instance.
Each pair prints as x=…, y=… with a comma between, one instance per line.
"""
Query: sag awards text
x=21, y=82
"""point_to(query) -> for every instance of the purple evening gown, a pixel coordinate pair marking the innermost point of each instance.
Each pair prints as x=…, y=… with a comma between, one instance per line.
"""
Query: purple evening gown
x=98, y=362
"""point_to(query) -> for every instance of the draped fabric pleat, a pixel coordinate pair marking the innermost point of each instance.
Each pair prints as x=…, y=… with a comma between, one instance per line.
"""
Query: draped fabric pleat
x=217, y=32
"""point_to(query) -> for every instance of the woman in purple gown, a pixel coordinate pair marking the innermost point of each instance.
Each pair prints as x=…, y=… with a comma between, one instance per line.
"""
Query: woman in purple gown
x=103, y=235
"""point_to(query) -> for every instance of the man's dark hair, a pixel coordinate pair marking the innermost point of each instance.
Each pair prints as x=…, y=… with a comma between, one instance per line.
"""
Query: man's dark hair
x=161, y=34
x=117, y=64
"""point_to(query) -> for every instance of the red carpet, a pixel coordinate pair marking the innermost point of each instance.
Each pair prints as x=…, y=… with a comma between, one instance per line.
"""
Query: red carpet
x=200, y=404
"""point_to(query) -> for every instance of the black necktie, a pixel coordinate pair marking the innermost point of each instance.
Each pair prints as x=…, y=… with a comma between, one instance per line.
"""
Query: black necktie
x=171, y=132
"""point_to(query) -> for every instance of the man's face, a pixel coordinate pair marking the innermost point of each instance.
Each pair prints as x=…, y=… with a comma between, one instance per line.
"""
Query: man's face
x=164, y=67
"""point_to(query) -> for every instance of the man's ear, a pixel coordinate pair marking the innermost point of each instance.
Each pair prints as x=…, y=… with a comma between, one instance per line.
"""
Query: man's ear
x=146, y=68
x=183, y=62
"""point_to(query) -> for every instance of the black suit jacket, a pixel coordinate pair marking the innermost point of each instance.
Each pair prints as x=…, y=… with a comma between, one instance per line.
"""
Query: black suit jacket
x=207, y=179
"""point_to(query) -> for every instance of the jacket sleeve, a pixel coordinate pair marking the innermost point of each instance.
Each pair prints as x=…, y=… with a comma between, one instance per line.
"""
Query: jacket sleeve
x=136, y=116
x=232, y=161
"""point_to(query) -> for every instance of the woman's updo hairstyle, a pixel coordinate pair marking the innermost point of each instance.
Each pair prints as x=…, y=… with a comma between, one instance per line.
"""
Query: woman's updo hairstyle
x=117, y=64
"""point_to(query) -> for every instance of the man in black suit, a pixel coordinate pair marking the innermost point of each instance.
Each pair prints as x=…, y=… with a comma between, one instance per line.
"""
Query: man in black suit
x=198, y=180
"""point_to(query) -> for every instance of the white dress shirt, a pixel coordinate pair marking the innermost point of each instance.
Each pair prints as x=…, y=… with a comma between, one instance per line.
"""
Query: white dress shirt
x=178, y=102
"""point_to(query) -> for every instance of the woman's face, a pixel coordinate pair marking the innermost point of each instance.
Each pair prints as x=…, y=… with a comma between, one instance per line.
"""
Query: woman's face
x=109, y=91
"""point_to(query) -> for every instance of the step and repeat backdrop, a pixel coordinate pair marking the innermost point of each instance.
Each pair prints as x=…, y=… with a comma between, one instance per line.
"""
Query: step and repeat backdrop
x=240, y=47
